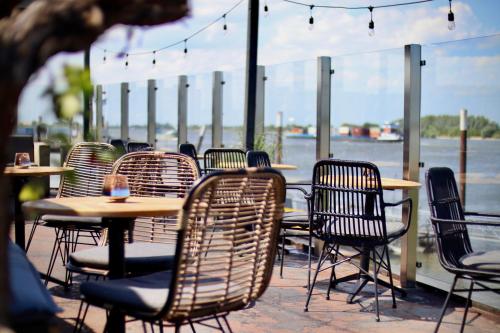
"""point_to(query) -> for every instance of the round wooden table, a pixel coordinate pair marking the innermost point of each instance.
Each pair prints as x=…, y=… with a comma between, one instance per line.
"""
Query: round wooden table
x=280, y=166
x=118, y=217
x=21, y=176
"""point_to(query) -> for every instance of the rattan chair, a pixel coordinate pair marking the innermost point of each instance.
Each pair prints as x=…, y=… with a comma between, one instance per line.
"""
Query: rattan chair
x=348, y=209
x=221, y=264
x=294, y=224
x=455, y=251
x=91, y=161
x=138, y=146
x=190, y=150
x=217, y=159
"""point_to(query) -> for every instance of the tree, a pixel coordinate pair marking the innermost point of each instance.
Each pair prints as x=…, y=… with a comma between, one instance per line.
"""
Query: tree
x=31, y=32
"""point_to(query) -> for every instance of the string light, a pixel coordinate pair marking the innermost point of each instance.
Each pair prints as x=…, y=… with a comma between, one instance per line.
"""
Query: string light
x=371, y=24
x=224, y=27
x=311, y=19
x=266, y=9
x=126, y=60
x=154, y=58
x=104, y=56
x=185, y=47
x=451, y=19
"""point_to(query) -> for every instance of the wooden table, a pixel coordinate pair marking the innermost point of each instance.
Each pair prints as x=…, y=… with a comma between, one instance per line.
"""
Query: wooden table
x=280, y=166
x=387, y=184
x=118, y=217
x=21, y=176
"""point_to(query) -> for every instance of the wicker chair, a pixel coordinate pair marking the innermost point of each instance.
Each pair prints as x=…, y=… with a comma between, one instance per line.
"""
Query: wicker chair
x=221, y=264
x=348, y=209
x=91, y=162
x=190, y=150
x=294, y=224
x=452, y=237
x=138, y=146
x=217, y=159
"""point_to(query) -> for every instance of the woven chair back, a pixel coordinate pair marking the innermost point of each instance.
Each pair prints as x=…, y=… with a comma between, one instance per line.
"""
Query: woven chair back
x=217, y=159
x=227, y=249
x=190, y=150
x=157, y=174
x=347, y=203
x=91, y=161
x=258, y=159
x=444, y=203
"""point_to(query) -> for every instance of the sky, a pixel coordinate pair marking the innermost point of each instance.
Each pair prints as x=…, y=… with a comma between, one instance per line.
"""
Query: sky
x=369, y=73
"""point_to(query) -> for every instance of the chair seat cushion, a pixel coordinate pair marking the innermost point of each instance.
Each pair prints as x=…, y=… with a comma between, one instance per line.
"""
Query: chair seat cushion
x=394, y=230
x=488, y=261
x=72, y=220
x=139, y=257
x=295, y=219
x=145, y=294
x=30, y=301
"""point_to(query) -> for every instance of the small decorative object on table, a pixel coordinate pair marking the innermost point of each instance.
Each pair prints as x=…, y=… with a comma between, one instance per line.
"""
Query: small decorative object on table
x=116, y=187
x=22, y=160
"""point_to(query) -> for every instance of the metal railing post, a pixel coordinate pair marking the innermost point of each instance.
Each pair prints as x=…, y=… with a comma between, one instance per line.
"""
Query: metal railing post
x=182, y=109
x=323, y=108
x=260, y=103
x=411, y=159
x=124, y=94
x=217, y=93
x=98, y=113
x=152, y=113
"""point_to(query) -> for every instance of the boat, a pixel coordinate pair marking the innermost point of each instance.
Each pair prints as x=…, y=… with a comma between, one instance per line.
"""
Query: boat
x=390, y=133
x=302, y=133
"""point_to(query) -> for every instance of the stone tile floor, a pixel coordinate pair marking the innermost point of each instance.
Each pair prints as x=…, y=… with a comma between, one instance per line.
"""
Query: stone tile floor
x=281, y=307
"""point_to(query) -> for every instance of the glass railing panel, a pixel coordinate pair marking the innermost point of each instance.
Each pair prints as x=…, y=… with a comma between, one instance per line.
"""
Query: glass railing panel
x=199, y=110
x=138, y=111
x=233, y=109
x=461, y=74
x=166, y=113
x=111, y=111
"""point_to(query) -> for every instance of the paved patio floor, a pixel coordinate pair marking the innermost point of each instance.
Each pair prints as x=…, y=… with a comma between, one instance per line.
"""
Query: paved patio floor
x=281, y=307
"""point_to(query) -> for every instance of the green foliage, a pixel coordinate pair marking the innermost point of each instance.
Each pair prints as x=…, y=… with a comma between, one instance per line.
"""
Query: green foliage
x=33, y=190
x=448, y=126
x=261, y=144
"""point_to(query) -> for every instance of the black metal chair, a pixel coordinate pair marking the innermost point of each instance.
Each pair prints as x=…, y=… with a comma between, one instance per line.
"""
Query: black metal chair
x=294, y=224
x=220, y=264
x=218, y=159
x=348, y=209
x=120, y=146
x=190, y=150
x=138, y=146
x=455, y=251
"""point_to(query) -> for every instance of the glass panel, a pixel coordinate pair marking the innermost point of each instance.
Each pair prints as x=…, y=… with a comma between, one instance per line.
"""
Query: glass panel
x=111, y=111
x=461, y=74
x=166, y=113
x=366, y=120
x=233, y=109
x=137, y=113
x=199, y=115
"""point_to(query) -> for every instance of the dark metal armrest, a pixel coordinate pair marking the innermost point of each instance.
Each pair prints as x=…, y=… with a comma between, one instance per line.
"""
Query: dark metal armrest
x=435, y=220
x=482, y=214
x=410, y=209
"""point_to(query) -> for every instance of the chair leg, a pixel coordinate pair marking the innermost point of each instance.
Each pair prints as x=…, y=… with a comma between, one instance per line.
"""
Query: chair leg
x=177, y=327
x=53, y=255
x=227, y=324
x=332, y=275
x=445, y=305
x=306, y=308
x=283, y=239
x=309, y=253
x=386, y=250
x=81, y=320
x=32, y=233
x=467, y=305
x=377, y=316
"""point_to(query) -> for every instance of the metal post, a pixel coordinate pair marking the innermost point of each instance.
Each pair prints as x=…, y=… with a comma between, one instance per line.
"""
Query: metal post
x=411, y=159
x=98, y=113
x=124, y=94
x=323, y=108
x=463, y=154
x=152, y=113
x=217, y=93
x=260, y=104
x=87, y=100
x=182, y=105
x=251, y=72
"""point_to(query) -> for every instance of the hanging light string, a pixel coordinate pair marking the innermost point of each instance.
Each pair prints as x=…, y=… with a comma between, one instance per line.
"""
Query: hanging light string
x=357, y=7
x=179, y=42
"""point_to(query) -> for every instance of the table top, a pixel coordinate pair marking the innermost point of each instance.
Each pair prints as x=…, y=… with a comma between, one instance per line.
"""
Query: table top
x=103, y=207
x=398, y=184
x=281, y=166
x=36, y=171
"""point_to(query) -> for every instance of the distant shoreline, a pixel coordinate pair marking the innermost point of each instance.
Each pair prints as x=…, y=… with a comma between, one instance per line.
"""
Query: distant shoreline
x=473, y=138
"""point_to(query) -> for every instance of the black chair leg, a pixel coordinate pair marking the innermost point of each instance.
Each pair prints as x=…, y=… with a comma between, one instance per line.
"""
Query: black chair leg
x=283, y=240
x=32, y=233
x=389, y=270
x=306, y=308
x=467, y=305
x=446, y=304
x=377, y=316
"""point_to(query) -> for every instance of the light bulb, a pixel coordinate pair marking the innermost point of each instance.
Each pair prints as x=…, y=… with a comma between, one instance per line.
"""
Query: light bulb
x=311, y=23
x=371, y=29
x=266, y=10
x=451, y=21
